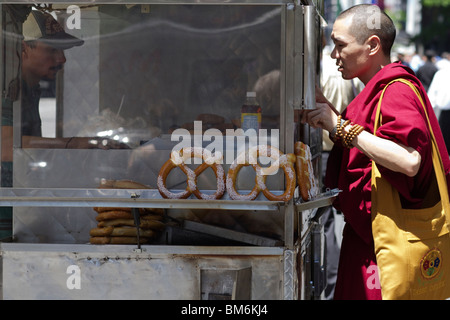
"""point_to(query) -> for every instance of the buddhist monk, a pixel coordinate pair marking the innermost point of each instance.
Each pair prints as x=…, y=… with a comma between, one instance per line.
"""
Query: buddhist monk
x=363, y=36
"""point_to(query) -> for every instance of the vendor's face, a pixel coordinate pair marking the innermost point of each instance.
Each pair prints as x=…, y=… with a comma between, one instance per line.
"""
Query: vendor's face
x=42, y=61
x=351, y=56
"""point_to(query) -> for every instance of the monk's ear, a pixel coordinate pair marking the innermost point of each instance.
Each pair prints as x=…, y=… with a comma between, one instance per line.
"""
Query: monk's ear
x=374, y=44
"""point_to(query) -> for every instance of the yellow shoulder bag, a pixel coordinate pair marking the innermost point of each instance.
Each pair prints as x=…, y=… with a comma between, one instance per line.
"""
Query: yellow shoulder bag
x=412, y=246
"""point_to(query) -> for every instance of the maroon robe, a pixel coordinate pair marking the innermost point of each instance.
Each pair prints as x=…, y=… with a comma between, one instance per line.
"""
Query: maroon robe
x=404, y=122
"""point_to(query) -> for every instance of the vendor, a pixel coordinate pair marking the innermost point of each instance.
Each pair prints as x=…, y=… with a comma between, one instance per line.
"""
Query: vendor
x=42, y=56
x=43, y=45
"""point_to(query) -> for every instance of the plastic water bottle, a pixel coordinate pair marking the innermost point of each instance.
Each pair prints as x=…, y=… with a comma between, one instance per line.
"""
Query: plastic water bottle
x=251, y=113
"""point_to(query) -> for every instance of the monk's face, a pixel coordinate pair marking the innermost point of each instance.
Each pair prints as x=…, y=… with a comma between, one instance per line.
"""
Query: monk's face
x=352, y=58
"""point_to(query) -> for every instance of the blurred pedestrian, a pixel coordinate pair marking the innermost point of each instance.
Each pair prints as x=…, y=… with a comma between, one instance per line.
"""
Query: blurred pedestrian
x=427, y=71
x=416, y=62
x=402, y=57
x=439, y=95
x=444, y=61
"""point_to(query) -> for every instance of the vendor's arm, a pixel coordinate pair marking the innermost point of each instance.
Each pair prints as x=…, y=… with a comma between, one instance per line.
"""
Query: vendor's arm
x=72, y=143
x=56, y=143
x=386, y=153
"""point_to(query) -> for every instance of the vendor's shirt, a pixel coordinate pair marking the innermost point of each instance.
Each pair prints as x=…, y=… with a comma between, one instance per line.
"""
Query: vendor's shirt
x=31, y=119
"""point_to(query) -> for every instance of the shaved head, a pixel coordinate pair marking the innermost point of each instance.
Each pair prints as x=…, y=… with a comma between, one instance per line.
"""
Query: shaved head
x=367, y=20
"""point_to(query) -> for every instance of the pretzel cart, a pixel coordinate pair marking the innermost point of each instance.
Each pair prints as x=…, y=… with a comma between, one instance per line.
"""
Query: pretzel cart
x=152, y=76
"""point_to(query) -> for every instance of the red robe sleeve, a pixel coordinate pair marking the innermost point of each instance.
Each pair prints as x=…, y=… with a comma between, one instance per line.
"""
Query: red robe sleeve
x=404, y=122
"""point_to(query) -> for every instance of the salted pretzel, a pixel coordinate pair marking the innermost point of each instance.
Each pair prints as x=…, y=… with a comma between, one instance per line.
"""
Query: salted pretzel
x=284, y=161
x=306, y=180
x=178, y=159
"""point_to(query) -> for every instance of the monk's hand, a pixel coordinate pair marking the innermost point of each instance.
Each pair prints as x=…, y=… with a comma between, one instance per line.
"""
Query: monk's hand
x=320, y=117
x=320, y=98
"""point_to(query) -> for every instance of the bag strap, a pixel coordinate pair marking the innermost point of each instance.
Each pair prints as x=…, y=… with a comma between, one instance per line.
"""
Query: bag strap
x=437, y=161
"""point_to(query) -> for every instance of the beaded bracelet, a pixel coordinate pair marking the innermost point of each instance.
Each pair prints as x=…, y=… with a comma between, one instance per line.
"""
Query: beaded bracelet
x=341, y=124
x=354, y=131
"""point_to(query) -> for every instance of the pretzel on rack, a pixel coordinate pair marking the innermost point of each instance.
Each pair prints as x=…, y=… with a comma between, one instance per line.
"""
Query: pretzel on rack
x=307, y=183
x=111, y=231
x=284, y=161
x=124, y=214
x=118, y=240
x=146, y=224
x=178, y=159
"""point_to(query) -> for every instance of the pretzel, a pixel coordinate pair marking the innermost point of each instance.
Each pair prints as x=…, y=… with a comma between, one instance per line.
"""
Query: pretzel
x=119, y=214
x=144, y=224
x=157, y=211
x=284, y=161
x=120, y=232
x=178, y=159
x=306, y=180
x=117, y=240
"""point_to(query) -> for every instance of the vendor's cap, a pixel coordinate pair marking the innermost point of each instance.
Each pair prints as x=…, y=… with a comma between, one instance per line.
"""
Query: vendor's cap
x=43, y=27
